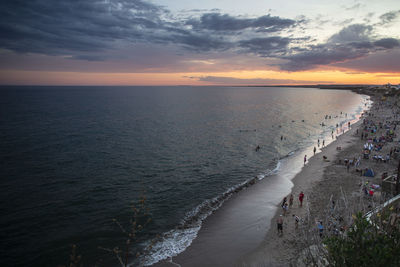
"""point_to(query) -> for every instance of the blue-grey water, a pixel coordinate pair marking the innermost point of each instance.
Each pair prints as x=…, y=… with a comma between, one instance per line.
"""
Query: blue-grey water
x=73, y=158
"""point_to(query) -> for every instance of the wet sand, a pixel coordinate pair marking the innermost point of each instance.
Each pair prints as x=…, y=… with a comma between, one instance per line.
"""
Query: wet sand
x=240, y=225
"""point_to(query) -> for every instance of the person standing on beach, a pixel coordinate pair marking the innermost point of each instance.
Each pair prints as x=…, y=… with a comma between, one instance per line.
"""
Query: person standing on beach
x=305, y=159
x=323, y=143
x=291, y=201
x=285, y=209
x=296, y=221
x=315, y=149
x=318, y=142
x=320, y=227
x=279, y=223
x=284, y=201
x=301, y=197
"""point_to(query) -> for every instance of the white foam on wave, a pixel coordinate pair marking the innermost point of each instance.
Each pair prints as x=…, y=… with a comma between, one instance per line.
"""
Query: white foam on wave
x=278, y=167
x=173, y=243
x=177, y=240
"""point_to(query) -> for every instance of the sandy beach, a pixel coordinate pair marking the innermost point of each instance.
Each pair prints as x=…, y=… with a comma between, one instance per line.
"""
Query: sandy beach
x=323, y=181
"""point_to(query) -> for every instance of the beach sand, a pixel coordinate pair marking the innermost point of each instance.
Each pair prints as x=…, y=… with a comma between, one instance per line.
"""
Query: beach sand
x=322, y=181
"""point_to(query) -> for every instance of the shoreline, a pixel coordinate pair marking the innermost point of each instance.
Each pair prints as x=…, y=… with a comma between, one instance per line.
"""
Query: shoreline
x=270, y=250
x=322, y=181
x=192, y=256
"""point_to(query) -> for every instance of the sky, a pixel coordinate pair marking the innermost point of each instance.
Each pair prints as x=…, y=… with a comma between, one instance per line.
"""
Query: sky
x=208, y=42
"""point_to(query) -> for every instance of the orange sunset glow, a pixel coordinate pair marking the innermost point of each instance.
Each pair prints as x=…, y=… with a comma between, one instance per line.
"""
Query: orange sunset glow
x=171, y=79
x=160, y=43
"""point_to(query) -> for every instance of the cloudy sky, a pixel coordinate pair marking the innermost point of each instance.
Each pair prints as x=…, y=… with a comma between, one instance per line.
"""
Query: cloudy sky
x=208, y=42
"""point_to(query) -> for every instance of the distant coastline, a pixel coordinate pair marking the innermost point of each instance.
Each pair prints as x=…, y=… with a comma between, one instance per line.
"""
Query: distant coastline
x=357, y=88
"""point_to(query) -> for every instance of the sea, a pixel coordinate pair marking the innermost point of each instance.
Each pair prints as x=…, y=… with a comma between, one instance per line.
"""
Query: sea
x=73, y=161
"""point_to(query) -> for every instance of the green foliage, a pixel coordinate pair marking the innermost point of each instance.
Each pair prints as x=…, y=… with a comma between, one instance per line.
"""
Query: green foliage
x=364, y=245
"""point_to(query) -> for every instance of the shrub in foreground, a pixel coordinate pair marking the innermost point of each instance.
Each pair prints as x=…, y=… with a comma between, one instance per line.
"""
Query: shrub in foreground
x=365, y=244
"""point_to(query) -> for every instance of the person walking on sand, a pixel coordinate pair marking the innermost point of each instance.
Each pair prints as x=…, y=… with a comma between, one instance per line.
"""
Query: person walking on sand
x=296, y=221
x=323, y=143
x=291, y=201
x=315, y=150
x=320, y=227
x=279, y=223
x=285, y=209
x=318, y=142
x=301, y=197
x=284, y=201
x=305, y=159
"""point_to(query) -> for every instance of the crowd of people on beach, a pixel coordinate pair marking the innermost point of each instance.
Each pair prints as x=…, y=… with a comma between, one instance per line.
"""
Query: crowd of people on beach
x=285, y=205
x=352, y=182
x=379, y=147
x=378, y=135
x=285, y=208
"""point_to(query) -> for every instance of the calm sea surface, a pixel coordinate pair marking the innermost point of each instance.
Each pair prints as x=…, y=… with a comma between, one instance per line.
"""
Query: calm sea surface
x=73, y=158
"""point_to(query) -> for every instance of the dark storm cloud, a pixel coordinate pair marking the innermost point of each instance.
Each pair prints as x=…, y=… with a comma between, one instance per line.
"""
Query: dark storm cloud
x=326, y=54
x=320, y=55
x=388, y=43
x=265, y=46
x=54, y=27
x=81, y=29
x=352, y=42
x=89, y=57
x=198, y=42
x=95, y=30
x=219, y=22
x=352, y=33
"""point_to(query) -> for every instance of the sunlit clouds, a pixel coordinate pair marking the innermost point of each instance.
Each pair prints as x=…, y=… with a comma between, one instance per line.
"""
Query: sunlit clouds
x=142, y=42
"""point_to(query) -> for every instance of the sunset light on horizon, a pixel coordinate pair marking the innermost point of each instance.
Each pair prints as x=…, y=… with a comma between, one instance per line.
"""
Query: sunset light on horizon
x=223, y=42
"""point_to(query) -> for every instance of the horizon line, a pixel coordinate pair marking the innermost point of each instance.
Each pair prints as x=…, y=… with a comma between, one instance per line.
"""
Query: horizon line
x=180, y=85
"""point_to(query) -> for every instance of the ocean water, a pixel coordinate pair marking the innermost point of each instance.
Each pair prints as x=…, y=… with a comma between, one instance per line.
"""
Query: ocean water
x=73, y=158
